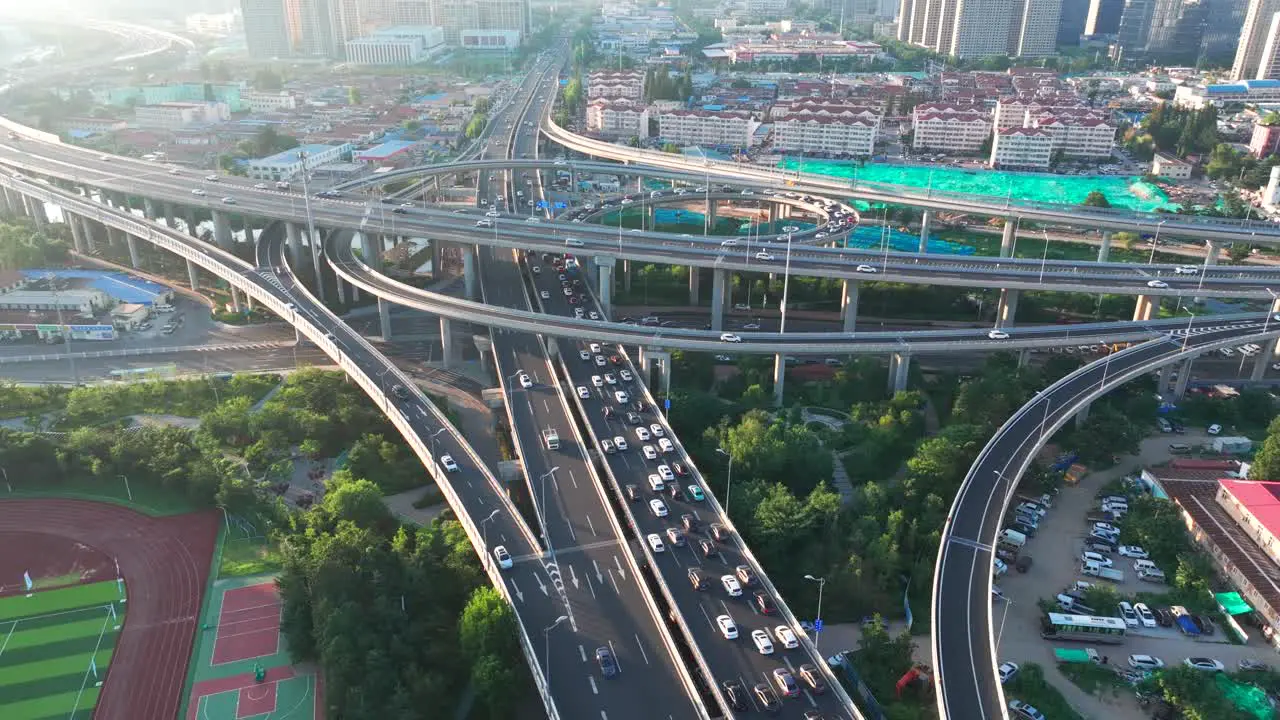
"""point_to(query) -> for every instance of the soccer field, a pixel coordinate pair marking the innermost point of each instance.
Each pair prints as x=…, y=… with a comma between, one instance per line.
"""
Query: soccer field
x=55, y=647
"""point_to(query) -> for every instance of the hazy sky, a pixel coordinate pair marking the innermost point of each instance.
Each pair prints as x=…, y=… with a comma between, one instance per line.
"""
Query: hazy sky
x=117, y=9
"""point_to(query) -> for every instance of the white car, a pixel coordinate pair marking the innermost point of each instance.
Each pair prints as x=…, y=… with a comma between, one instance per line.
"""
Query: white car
x=658, y=507
x=665, y=473
x=656, y=484
x=643, y=435
x=763, y=255
x=1206, y=664
x=1133, y=551
x=655, y=542
x=1159, y=284
x=583, y=392
x=595, y=348
x=649, y=453
x=449, y=464
x=731, y=242
x=728, y=628
x=624, y=374
x=503, y=557
x=1145, y=662
x=657, y=430
x=1145, y=615
x=525, y=381
x=610, y=379
x=260, y=186
x=1127, y=614
x=998, y=567
x=600, y=361
x=998, y=335
x=545, y=295
x=730, y=337
x=1107, y=528
x=198, y=191
x=621, y=397
x=228, y=201
x=1102, y=560
x=731, y=586
x=1214, y=429
x=786, y=637
x=1007, y=671
x=864, y=269
x=762, y=642
x=621, y=442
x=666, y=445
x=597, y=381
x=584, y=356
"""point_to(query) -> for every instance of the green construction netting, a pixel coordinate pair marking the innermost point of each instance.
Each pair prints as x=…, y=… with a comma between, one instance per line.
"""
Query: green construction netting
x=1122, y=191
x=1232, y=604
x=1247, y=698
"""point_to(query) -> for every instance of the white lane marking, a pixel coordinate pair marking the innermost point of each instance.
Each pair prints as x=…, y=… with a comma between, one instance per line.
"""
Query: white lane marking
x=593, y=530
x=594, y=690
x=616, y=660
x=572, y=534
x=614, y=580
x=583, y=652
x=545, y=405
x=618, y=562
x=573, y=480
x=519, y=594
x=592, y=587
x=599, y=575
x=643, y=654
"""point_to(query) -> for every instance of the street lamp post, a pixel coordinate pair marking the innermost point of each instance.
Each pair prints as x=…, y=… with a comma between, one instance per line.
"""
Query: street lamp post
x=1155, y=241
x=484, y=529
x=432, y=438
x=1190, y=319
x=817, y=625
x=546, y=649
x=786, y=284
x=728, y=483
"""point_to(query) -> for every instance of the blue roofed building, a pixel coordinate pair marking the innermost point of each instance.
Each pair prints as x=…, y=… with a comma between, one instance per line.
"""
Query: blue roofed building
x=387, y=152
x=286, y=165
x=1245, y=91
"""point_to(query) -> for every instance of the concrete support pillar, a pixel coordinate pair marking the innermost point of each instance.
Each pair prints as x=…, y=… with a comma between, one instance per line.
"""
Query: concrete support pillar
x=90, y=229
x=293, y=234
x=925, y=217
x=149, y=208
x=1024, y=357
x=648, y=358
x=77, y=232
x=849, y=306
x=384, y=319
x=718, y=295
x=222, y=230
x=1104, y=250
x=484, y=347
x=1007, y=309
x=437, y=256
x=695, y=277
x=1260, y=366
x=1008, y=237
x=899, y=371
x=773, y=217
x=235, y=298
x=1143, y=308
x=342, y=289
x=193, y=229
x=1082, y=415
x=7, y=196
x=446, y=342
x=37, y=212
x=469, y=272
x=1184, y=377
x=134, y=261
x=1162, y=383
x=604, y=267
x=779, y=375
x=193, y=274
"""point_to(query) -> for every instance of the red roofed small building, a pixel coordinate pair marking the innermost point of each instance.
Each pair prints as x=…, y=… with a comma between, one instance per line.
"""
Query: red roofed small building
x=1021, y=148
x=1255, y=507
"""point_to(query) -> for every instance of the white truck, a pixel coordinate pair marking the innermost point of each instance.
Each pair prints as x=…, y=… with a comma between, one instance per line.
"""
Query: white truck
x=551, y=439
x=1012, y=538
x=1093, y=569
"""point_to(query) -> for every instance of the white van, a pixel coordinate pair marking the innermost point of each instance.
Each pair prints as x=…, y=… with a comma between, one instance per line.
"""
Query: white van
x=163, y=308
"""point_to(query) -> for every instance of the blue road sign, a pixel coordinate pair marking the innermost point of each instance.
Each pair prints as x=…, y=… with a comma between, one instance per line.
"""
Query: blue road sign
x=817, y=624
x=561, y=205
x=666, y=403
x=542, y=204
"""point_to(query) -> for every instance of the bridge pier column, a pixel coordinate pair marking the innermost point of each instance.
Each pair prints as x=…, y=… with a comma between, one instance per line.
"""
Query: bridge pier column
x=193, y=228
x=849, y=306
x=469, y=271
x=484, y=347
x=1260, y=366
x=293, y=235
x=149, y=209
x=925, y=217
x=437, y=257
x=1024, y=357
x=773, y=217
x=779, y=377
x=133, y=251
x=1184, y=378
x=710, y=215
x=193, y=273
x=1143, y=308
x=1008, y=237
x=446, y=342
x=315, y=240
x=35, y=208
x=90, y=229
x=604, y=268
x=1007, y=309
x=222, y=231
x=77, y=232
x=235, y=298
x=663, y=358
x=342, y=289
x=384, y=319
x=1082, y=415
x=899, y=372
x=1162, y=383
x=6, y=196
x=1104, y=250
x=718, y=295
x=695, y=277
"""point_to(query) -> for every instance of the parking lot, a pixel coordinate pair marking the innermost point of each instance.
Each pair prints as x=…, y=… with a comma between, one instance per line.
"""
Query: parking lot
x=1056, y=552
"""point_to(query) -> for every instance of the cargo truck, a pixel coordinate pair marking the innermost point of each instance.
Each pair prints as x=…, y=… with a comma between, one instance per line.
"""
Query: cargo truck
x=1094, y=569
x=551, y=439
x=1078, y=655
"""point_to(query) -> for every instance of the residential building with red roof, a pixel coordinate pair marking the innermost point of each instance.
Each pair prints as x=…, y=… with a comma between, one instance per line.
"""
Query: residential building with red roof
x=1021, y=148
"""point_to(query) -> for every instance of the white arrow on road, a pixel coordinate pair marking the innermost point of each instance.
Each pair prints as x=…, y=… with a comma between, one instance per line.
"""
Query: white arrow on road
x=515, y=587
x=618, y=562
x=541, y=587
x=573, y=577
x=599, y=575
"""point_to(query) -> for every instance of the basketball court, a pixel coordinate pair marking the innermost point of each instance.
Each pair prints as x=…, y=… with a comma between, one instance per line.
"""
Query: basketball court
x=248, y=624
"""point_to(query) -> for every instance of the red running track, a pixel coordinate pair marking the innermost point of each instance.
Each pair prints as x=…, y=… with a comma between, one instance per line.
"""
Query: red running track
x=165, y=562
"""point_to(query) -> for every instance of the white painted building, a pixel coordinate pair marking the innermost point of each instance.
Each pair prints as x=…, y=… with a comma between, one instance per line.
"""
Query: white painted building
x=618, y=118
x=808, y=127
x=176, y=115
x=260, y=102
x=705, y=127
x=627, y=84
x=286, y=165
x=1021, y=148
x=401, y=45
x=1079, y=137
x=950, y=131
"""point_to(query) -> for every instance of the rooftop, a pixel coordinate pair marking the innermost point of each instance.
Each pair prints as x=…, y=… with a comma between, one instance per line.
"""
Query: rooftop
x=292, y=157
x=1262, y=499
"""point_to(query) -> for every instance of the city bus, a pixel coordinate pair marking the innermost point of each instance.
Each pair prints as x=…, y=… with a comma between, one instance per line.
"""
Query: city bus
x=1086, y=628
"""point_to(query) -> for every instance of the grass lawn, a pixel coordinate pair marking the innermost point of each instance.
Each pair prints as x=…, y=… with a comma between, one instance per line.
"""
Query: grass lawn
x=1030, y=687
x=148, y=500
x=252, y=556
x=1093, y=679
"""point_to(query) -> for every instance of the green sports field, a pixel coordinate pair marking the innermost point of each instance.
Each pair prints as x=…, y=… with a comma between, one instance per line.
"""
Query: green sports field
x=47, y=641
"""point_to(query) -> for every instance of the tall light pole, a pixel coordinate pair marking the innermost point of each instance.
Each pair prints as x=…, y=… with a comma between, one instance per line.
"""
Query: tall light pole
x=817, y=624
x=1190, y=320
x=432, y=438
x=786, y=284
x=311, y=224
x=728, y=483
x=484, y=529
x=1155, y=241
x=546, y=649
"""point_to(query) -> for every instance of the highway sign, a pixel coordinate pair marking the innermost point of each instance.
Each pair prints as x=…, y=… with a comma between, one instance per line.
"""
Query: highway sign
x=817, y=624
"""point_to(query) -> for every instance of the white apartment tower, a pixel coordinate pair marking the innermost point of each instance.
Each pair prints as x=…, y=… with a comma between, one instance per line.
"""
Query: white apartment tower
x=266, y=31
x=1253, y=39
x=981, y=28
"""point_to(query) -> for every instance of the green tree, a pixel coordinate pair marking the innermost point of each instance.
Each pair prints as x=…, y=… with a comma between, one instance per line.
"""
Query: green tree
x=1096, y=198
x=487, y=627
x=359, y=502
x=496, y=680
x=353, y=95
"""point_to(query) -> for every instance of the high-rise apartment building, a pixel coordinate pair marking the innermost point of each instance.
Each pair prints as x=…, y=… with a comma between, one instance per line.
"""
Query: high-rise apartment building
x=266, y=31
x=981, y=28
x=1071, y=23
x=1253, y=39
x=458, y=16
x=311, y=28
x=1269, y=61
x=1103, y=17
